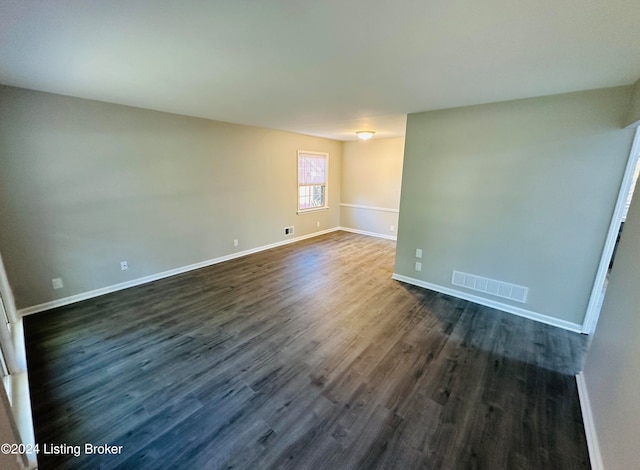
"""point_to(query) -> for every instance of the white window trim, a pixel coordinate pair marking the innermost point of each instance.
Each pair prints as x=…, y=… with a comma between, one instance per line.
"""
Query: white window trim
x=326, y=186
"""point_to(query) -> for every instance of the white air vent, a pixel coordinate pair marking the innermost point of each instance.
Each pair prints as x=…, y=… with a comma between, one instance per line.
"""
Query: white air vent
x=490, y=286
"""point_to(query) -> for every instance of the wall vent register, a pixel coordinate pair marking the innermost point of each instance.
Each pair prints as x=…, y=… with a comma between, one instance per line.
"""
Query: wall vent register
x=502, y=289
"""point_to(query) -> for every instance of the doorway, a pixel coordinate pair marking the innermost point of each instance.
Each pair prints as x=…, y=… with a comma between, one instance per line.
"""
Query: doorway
x=625, y=211
x=14, y=395
x=615, y=229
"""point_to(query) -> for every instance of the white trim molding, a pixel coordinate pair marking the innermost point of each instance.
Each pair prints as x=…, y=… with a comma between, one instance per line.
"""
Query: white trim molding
x=369, y=234
x=589, y=426
x=6, y=293
x=369, y=208
x=521, y=312
x=154, y=277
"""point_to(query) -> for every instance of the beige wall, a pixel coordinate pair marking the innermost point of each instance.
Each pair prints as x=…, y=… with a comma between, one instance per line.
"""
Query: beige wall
x=612, y=369
x=520, y=191
x=633, y=117
x=86, y=184
x=371, y=179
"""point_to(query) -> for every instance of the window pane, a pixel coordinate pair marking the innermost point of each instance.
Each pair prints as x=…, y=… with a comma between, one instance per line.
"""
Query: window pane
x=312, y=180
x=311, y=196
x=312, y=169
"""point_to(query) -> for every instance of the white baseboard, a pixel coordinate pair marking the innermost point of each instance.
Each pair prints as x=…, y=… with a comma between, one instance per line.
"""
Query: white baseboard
x=154, y=277
x=589, y=426
x=521, y=312
x=370, y=234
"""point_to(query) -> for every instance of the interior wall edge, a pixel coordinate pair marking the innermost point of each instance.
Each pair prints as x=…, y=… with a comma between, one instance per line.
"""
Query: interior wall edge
x=595, y=303
x=633, y=115
x=589, y=425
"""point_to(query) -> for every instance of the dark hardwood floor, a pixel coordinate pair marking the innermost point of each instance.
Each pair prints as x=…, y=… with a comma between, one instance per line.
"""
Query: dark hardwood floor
x=307, y=356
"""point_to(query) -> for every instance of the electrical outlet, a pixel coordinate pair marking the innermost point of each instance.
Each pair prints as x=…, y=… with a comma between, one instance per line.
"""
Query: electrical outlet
x=235, y=242
x=391, y=228
x=418, y=266
x=124, y=265
x=318, y=223
x=288, y=230
x=418, y=253
x=57, y=283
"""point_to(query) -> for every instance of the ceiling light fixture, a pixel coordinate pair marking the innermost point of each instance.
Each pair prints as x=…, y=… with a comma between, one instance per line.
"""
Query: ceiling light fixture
x=365, y=135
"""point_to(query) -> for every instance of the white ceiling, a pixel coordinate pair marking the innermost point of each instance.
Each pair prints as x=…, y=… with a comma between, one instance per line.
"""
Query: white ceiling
x=318, y=67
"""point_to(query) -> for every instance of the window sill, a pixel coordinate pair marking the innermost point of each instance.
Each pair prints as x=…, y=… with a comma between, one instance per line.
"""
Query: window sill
x=315, y=209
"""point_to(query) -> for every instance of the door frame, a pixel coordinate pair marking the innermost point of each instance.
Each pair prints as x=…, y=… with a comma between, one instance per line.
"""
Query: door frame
x=595, y=304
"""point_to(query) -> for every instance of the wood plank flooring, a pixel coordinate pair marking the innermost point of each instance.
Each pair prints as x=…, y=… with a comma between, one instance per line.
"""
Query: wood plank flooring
x=306, y=356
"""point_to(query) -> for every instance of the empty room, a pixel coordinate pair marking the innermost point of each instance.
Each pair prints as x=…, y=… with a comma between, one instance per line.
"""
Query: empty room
x=319, y=235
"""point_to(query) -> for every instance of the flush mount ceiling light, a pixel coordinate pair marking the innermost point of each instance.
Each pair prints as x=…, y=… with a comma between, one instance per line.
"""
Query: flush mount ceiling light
x=365, y=135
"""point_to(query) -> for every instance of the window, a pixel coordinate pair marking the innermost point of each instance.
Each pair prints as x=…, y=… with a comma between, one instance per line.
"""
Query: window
x=312, y=181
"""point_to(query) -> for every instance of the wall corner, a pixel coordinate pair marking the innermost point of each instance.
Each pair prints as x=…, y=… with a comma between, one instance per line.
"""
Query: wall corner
x=633, y=116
